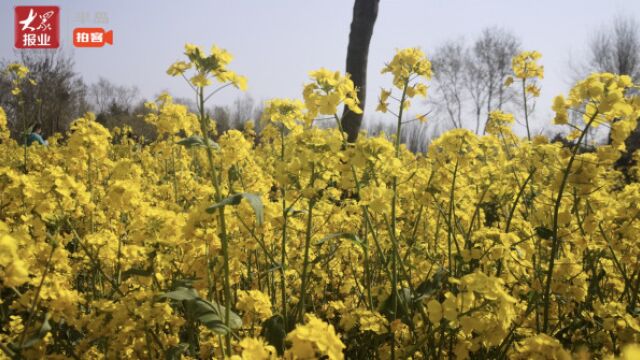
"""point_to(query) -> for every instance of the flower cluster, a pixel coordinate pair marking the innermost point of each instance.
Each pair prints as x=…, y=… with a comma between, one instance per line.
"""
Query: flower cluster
x=284, y=111
x=208, y=67
x=407, y=64
x=294, y=244
x=314, y=340
x=499, y=123
x=410, y=68
x=525, y=65
x=605, y=100
x=18, y=74
x=170, y=118
x=327, y=91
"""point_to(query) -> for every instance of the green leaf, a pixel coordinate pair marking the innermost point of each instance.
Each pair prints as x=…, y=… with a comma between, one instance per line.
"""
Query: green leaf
x=231, y=200
x=256, y=203
x=209, y=318
x=214, y=323
x=42, y=332
x=201, y=307
x=180, y=293
x=253, y=199
x=196, y=141
x=198, y=307
x=348, y=236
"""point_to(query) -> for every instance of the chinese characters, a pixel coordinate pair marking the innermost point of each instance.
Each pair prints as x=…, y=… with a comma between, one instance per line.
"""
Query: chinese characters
x=37, y=27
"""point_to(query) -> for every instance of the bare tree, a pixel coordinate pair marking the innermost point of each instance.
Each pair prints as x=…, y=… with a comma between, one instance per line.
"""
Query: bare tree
x=474, y=80
x=492, y=53
x=470, y=80
x=365, y=13
x=101, y=94
x=242, y=110
x=58, y=97
x=133, y=118
x=415, y=135
x=236, y=115
x=222, y=116
x=257, y=116
x=616, y=48
x=449, y=72
x=106, y=95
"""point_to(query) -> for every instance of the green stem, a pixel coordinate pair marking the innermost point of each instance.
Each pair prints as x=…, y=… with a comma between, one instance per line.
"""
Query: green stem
x=367, y=266
x=36, y=298
x=555, y=246
x=175, y=177
x=221, y=218
x=451, y=233
x=394, y=204
x=283, y=245
x=526, y=109
x=512, y=212
x=305, y=266
x=25, y=135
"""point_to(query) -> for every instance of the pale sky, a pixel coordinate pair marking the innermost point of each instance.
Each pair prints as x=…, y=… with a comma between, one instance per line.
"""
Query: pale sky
x=276, y=43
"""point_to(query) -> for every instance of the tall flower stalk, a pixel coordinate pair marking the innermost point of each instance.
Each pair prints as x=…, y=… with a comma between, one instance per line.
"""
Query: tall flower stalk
x=525, y=67
x=409, y=68
x=604, y=100
x=208, y=68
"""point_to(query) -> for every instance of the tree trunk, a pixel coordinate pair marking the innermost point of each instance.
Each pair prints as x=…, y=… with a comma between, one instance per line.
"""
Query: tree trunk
x=365, y=13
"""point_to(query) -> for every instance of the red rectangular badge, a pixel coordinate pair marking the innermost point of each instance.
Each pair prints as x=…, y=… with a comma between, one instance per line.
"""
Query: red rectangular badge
x=37, y=27
x=92, y=37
